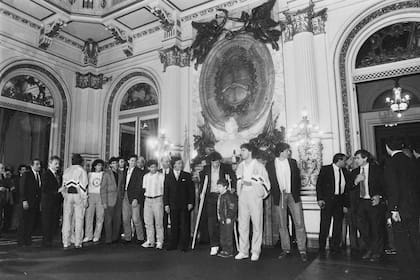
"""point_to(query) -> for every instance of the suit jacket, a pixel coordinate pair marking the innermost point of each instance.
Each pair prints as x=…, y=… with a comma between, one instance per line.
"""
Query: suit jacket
x=178, y=194
x=224, y=170
x=295, y=181
x=401, y=186
x=109, y=189
x=325, y=185
x=29, y=189
x=50, y=184
x=135, y=186
x=375, y=180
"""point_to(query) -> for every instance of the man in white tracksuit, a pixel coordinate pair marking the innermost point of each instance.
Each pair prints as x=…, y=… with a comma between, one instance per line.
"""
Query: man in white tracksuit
x=253, y=186
x=75, y=182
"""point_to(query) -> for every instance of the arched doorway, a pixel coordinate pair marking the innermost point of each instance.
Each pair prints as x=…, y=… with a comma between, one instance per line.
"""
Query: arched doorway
x=33, y=115
x=363, y=29
x=135, y=116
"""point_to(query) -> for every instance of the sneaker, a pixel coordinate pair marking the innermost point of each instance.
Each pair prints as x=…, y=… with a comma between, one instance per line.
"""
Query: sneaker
x=147, y=244
x=159, y=245
x=241, y=256
x=255, y=257
x=225, y=254
x=86, y=239
x=213, y=251
x=95, y=240
x=79, y=246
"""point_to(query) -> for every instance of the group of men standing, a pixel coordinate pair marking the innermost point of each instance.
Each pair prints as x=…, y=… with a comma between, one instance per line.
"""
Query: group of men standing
x=370, y=194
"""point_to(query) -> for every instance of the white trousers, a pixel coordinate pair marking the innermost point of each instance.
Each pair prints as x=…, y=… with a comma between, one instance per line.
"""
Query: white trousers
x=95, y=209
x=153, y=217
x=250, y=208
x=73, y=209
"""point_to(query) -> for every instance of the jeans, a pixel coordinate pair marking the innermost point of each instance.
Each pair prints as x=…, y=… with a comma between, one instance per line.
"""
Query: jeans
x=212, y=221
x=153, y=216
x=297, y=215
x=226, y=240
x=132, y=212
x=95, y=209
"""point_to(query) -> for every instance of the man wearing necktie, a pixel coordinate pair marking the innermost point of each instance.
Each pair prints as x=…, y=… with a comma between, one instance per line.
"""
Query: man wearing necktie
x=368, y=180
x=178, y=199
x=50, y=200
x=332, y=197
x=29, y=191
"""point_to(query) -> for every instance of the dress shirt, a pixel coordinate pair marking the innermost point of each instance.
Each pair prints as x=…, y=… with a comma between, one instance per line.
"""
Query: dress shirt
x=153, y=184
x=214, y=179
x=338, y=189
x=284, y=175
x=37, y=177
x=127, y=181
x=366, y=170
x=176, y=173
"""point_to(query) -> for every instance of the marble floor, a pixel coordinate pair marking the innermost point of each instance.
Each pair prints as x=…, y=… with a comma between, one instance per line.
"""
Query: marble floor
x=121, y=261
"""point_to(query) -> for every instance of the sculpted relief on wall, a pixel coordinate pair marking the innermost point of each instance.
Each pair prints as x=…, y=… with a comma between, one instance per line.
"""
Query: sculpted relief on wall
x=237, y=81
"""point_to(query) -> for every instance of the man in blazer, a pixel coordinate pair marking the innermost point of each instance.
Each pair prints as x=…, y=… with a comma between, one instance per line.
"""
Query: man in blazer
x=368, y=181
x=178, y=199
x=50, y=200
x=30, y=192
x=132, y=193
x=165, y=162
x=109, y=197
x=285, y=181
x=332, y=197
x=401, y=178
x=213, y=172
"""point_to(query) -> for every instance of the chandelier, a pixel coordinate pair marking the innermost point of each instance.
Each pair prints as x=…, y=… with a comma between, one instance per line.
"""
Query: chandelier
x=398, y=103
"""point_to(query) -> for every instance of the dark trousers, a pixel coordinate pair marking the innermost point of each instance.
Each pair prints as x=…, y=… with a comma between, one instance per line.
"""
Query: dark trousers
x=226, y=237
x=180, y=225
x=50, y=210
x=108, y=221
x=116, y=221
x=212, y=220
x=406, y=237
x=371, y=222
x=26, y=225
x=333, y=209
x=2, y=213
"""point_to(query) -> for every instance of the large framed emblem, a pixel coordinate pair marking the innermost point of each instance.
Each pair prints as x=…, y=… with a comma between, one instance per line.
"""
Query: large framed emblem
x=237, y=80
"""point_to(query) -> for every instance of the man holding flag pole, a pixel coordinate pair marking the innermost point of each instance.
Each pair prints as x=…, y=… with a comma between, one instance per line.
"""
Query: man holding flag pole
x=209, y=194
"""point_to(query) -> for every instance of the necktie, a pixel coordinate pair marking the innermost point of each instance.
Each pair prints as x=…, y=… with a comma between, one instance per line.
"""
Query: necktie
x=339, y=181
x=362, y=185
x=38, y=180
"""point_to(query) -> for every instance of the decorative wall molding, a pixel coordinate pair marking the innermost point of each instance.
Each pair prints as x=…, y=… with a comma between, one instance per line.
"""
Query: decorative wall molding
x=49, y=32
x=90, y=53
x=165, y=18
x=90, y=80
x=212, y=10
x=174, y=56
x=386, y=74
x=20, y=19
x=343, y=53
x=304, y=20
x=122, y=37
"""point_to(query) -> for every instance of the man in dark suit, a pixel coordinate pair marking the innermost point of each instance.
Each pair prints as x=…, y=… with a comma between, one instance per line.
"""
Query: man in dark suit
x=29, y=192
x=132, y=193
x=209, y=192
x=285, y=181
x=178, y=198
x=401, y=178
x=50, y=200
x=332, y=197
x=367, y=179
x=165, y=162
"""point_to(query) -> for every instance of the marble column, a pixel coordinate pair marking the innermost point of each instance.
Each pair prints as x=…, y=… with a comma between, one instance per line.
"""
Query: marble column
x=172, y=105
